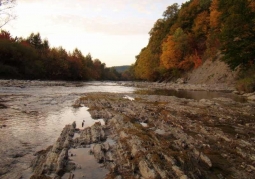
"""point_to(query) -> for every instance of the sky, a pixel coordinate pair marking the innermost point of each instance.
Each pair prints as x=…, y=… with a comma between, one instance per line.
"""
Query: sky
x=113, y=31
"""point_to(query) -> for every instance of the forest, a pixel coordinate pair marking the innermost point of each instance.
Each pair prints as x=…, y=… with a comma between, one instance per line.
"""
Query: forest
x=179, y=42
x=197, y=30
x=33, y=58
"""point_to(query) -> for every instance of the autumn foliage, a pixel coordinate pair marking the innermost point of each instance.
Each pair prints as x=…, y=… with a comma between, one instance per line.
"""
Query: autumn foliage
x=32, y=58
x=186, y=35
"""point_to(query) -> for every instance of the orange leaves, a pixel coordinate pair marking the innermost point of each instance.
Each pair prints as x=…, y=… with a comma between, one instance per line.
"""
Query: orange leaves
x=201, y=23
x=252, y=5
x=191, y=61
x=177, y=52
x=170, y=56
x=214, y=14
x=174, y=49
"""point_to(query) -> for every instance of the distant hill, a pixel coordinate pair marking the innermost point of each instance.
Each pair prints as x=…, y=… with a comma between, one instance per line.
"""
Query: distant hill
x=121, y=69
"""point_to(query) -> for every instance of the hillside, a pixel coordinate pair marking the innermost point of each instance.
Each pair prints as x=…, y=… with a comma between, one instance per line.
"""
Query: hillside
x=121, y=69
x=192, y=34
x=213, y=72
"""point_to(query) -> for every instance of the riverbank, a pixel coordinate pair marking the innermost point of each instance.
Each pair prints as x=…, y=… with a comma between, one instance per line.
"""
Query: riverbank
x=159, y=136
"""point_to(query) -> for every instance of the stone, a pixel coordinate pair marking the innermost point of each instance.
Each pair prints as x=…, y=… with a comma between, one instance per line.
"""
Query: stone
x=98, y=153
x=145, y=170
x=251, y=98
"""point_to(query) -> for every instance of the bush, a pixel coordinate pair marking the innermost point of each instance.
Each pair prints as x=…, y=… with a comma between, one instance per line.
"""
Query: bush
x=246, y=80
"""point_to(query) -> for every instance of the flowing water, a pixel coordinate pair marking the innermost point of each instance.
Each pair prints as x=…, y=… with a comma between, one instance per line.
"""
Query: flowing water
x=33, y=114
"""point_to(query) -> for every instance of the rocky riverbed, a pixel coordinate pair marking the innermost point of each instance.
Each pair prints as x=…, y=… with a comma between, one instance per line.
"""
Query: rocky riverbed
x=156, y=136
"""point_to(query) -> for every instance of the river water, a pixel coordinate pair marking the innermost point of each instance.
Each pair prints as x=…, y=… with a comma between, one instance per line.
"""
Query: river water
x=33, y=114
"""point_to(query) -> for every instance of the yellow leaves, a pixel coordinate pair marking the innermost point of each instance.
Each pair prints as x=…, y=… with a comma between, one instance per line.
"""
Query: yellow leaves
x=201, y=23
x=214, y=14
x=175, y=53
x=174, y=49
x=170, y=55
x=145, y=65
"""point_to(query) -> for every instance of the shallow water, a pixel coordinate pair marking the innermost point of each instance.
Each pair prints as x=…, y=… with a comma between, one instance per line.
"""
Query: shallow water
x=87, y=168
x=197, y=95
x=35, y=115
x=37, y=111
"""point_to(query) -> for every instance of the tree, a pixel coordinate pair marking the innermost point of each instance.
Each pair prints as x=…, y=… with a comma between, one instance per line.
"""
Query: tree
x=237, y=33
x=174, y=49
x=35, y=40
x=171, y=11
x=5, y=35
x=201, y=24
x=6, y=14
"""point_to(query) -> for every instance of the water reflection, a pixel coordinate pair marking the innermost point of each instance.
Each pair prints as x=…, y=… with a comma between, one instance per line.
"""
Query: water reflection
x=87, y=168
x=35, y=116
x=197, y=95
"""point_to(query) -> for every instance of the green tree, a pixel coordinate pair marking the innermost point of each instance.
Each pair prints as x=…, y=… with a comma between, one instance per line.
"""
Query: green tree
x=238, y=32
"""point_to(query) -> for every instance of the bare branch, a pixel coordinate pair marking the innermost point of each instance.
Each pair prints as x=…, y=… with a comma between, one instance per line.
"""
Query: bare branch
x=6, y=14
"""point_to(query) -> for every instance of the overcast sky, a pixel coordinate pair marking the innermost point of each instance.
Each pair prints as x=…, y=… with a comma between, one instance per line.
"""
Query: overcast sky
x=113, y=31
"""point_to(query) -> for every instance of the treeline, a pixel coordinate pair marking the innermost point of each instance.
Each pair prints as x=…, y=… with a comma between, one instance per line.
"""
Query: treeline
x=185, y=36
x=32, y=58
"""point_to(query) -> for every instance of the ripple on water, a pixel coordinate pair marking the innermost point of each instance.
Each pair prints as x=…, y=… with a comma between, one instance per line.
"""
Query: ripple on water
x=36, y=114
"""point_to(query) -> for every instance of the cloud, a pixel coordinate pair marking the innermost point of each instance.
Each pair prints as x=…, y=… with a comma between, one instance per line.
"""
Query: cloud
x=125, y=17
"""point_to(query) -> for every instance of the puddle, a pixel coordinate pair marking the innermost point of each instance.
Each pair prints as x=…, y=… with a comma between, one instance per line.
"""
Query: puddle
x=79, y=115
x=87, y=167
x=197, y=95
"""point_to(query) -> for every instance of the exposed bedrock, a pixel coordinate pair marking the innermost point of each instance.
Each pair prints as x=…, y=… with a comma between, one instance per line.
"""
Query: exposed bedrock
x=168, y=137
x=161, y=137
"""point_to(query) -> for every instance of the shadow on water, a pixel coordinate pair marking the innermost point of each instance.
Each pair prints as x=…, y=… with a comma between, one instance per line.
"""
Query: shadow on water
x=197, y=95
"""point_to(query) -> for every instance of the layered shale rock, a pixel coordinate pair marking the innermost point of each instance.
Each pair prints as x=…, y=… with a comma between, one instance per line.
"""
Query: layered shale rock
x=161, y=137
x=54, y=161
x=182, y=138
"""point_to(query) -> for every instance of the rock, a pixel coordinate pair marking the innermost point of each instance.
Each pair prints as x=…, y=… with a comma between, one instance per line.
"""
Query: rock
x=196, y=133
x=98, y=153
x=74, y=125
x=203, y=158
x=118, y=177
x=251, y=98
x=2, y=126
x=62, y=162
x=178, y=171
x=235, y=92
x=180, y=81
x=2, y=106
x=145, y=170
x=184, y=177
x=91, y=135
x=54, y=160
x=207, y=102
x=40, y=177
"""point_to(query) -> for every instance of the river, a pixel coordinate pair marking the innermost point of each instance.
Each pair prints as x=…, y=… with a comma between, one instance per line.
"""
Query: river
x=33, y=114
